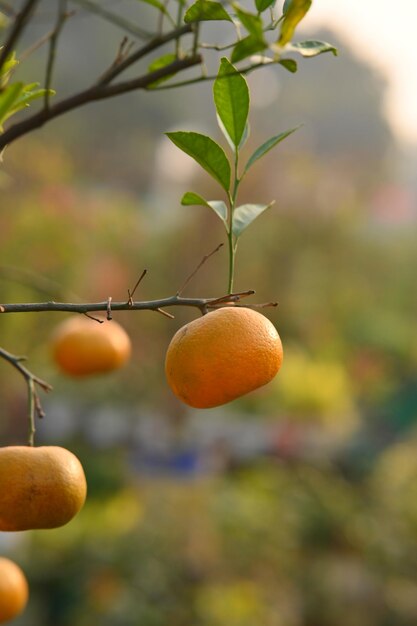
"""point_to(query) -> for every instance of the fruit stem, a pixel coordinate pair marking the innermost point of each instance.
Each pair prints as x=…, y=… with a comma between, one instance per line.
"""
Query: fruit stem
x=32, y=411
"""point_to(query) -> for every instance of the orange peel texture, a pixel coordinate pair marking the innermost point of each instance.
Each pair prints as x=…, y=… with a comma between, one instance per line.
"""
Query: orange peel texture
x=222, y=356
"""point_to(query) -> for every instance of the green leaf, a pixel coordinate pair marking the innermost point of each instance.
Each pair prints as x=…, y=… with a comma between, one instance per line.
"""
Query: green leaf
x=8, y=99
x=252, y=22
x=231, y=97
x=193, y=199
x=158, y=64
x=5, y=71
x=245, y=214
x=206, y=10
x=31, y=92
x=289, y=65
x=228, y=139
x=294, y=12
x=311, y=48
x=4, y=22
x=262, y=5
x=206, y=152
x=267, y=146
x=248, y=46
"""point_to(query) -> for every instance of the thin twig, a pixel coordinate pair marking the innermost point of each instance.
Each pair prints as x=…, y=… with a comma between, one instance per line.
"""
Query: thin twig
x=194, y=272
x=131, y=293
x=230, y=298
x=61, y=18
x=263, y=305
x=162, y=14
x=115, y=19
x=204, y=77
x=7, y=9
x=152, y=45
x=36, y=45
x=17, y=29
x=91, y=317
x=34, y=402
x=122, y=53
x=35, y=281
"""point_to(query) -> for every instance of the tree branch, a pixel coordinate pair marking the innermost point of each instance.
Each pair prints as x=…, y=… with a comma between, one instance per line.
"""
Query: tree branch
x=146, y=305
x=113, y=18
x=92, y=94
x=62, y=16
x=157, y=42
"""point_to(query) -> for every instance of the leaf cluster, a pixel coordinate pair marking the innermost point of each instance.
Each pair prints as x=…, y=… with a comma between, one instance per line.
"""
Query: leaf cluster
x=260, y=36
x=232, y=103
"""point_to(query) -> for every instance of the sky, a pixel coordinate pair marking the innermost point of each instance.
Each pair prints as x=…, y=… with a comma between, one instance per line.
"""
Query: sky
x=384, y=32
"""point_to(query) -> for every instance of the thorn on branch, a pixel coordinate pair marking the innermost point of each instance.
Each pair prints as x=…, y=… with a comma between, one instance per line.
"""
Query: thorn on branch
x=109, y=313
x=124, y=49
x=169, y=315
x=131, y=293
x=38, y=407
x=194, y=272
x=230, y=298
x=96, y=319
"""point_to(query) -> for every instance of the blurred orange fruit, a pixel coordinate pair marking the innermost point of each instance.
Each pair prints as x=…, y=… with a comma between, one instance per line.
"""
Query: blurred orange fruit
x=41, y=487
x=222, y=356
x=81, y=346
x=14, y=590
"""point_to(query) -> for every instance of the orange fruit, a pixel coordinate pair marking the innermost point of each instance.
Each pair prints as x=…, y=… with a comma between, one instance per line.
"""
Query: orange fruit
x=14, y=590
x=39, y=487
x=222, y=356
x=81, y=346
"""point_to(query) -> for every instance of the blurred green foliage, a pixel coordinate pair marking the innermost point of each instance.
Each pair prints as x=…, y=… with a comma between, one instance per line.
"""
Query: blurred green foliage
x=274, y=543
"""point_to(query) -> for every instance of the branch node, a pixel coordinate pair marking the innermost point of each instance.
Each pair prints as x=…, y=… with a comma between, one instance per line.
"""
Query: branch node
x=109, y=313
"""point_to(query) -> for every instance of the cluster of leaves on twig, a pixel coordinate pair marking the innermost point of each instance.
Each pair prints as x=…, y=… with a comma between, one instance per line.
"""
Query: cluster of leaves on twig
x=259, y=37
x=231, y=97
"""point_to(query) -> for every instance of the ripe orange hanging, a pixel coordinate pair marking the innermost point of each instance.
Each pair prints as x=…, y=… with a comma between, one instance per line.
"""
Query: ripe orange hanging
x=42, y=487
x=14, y=590
x=222, y=356
x=81, y=346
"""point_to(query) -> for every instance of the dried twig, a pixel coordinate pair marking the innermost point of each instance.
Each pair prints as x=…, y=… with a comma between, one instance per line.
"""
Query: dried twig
x=131, y=293
x=53, y=41
x=194, y=272
x=32, y=381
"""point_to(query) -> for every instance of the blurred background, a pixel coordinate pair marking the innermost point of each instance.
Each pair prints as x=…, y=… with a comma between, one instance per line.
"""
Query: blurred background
x=296, y=505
